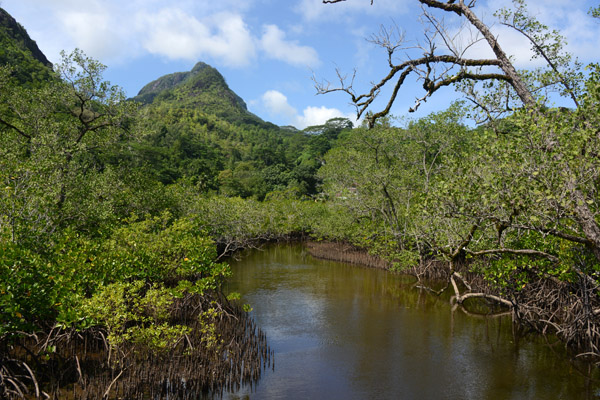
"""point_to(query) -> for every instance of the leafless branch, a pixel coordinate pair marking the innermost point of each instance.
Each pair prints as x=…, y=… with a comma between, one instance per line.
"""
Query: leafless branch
x=433, y=69
x=363, y=101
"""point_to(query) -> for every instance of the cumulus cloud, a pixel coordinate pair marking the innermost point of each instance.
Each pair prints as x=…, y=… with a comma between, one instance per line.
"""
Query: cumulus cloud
x=96, y=32
x=275, y=45
x=277, y=105
x=319, y=115
x=115, y=31
x=176, y=35
x=95, y=27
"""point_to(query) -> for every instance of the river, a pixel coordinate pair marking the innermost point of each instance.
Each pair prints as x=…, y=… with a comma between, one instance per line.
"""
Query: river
x=340, y=331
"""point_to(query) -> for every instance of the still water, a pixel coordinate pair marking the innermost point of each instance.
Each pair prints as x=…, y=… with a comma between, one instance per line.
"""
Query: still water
x=346, y=332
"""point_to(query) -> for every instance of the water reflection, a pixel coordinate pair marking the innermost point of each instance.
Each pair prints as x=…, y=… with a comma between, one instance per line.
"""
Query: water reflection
x=346, y=332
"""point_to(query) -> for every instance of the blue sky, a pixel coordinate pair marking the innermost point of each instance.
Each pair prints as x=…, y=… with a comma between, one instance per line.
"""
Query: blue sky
x=268, y=50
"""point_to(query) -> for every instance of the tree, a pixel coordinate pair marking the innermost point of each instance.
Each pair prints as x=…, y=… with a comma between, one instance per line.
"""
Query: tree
x=522, y=205
x=450, y=65
x=385, y=174
x=53, y=142
x=545, y=45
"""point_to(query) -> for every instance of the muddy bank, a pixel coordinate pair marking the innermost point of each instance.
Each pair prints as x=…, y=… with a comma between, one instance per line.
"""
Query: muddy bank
x=344, y=252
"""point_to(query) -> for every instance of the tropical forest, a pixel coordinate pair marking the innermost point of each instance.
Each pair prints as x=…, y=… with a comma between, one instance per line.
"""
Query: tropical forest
x=125, y=220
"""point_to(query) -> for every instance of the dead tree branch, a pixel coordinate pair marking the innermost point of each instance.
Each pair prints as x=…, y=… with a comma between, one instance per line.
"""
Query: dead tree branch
x=455, y=65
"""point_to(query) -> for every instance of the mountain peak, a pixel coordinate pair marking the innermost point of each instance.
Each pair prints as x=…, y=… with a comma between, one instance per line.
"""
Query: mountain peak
x=189, y=86
x=19, y=34
x=203, y=88
x=200, y=66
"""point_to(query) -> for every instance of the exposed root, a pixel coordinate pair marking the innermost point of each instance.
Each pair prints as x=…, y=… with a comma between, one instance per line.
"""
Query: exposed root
x=500, y=300
x=344, y=252
x=78, y=365
x=568, y=310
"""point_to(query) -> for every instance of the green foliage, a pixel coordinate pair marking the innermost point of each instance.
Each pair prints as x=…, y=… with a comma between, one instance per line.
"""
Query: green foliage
x=383, y=175
x=133, y=313
x=197, y=129
x=519, y=205
x=210, y=336
x=27, y=65
x=109, y=214
x=52, y=142
x=37, y=289
x=73, y=251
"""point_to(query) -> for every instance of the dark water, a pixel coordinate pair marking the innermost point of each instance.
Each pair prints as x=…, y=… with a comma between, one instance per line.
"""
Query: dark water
x=346, y=332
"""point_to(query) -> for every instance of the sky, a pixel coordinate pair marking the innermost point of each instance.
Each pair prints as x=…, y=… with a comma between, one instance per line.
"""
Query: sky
x=270, y=50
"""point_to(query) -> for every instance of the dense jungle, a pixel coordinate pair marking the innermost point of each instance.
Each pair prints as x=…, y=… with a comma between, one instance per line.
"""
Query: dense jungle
x=118, y=215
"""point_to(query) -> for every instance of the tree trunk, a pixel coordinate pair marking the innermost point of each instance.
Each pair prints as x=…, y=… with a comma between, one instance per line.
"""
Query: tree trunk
x=515, y=80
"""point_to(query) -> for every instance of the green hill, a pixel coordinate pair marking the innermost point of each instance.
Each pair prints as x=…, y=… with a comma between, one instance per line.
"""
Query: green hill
x=193, y=127
x=199, y=129
x=202, y=88
x=19, y=52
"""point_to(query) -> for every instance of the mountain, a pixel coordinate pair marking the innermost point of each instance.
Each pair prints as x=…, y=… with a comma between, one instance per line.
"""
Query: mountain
x=18, y=51
x=202, y=88
x=198, y=128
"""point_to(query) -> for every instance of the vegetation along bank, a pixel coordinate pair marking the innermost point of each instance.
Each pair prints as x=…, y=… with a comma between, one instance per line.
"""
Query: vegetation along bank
x=115, y=213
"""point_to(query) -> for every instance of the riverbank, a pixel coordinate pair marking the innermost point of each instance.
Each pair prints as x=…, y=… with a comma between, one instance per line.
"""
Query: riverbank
x=545, y=305
x=344, y=252
x=348, y=253
x=343, y=331
x=222, y=350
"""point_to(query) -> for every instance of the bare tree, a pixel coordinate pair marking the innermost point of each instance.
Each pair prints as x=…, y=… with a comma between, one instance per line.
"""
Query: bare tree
x=435, y=68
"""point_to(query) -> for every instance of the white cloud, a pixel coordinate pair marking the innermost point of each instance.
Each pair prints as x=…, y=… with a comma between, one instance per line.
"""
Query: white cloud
x=583, y=36
x=274, y=44
x=176, y=35
x=115, y=31
x=570, y=18
x=276, y=104
x=581, y=32
x=96, y=32
x=319, y=115
x=511, y=41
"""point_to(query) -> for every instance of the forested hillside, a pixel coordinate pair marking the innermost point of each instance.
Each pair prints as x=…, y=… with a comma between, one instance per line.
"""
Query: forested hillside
x=197, y=129
x=20, y=52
